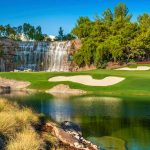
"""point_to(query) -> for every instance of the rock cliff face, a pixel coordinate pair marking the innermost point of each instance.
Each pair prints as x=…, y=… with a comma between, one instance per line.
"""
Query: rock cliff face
x=7, y=53
x=38, y=56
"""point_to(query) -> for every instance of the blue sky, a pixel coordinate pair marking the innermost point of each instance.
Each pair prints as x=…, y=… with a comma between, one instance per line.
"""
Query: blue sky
x=51, y=14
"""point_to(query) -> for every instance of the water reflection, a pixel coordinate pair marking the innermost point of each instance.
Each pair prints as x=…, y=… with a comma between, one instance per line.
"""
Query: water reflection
x=109, y=143
x=59, y=110
x=110, y=106
x=111, y=122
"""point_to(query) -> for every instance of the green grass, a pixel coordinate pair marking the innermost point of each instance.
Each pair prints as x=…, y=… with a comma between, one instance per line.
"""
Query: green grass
x=136, y=82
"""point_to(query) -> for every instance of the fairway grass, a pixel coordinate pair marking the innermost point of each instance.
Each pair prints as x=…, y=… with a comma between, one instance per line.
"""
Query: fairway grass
x=135, y=83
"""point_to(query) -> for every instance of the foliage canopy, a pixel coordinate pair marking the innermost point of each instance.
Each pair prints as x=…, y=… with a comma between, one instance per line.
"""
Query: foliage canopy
x=113, y=37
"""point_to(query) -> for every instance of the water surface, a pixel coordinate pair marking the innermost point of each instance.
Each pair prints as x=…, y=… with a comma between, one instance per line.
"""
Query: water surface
x=113, y=123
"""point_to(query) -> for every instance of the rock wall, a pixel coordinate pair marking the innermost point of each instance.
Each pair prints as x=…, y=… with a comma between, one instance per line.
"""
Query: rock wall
x=7, y=54
x=10, y=50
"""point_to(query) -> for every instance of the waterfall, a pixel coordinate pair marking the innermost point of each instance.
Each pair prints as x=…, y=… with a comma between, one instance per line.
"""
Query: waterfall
x=2, y=65
x=43, y=56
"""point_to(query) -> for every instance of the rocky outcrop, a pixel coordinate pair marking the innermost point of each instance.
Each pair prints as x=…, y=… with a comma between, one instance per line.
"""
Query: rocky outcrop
x=75, y=45
x=5, y=89
x=7, y=49
x=71, y=140
x=61, y=88
x=71, y=128
x=39, y=56
x=13, y=84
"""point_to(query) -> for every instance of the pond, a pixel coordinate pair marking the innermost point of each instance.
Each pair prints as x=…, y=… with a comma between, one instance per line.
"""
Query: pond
x=113, y=123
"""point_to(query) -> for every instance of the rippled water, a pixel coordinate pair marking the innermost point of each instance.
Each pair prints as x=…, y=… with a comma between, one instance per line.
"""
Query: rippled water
x=113, y=123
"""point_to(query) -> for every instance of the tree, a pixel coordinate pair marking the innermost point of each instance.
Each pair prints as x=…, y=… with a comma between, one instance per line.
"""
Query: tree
x=10, y=32
x=140, y=46
x=85, y=54
x=144, y=21
x=121, y=13
x=29, y=31
x=38, y=34
x=101, y=56
x=83, y=27
x=2, y=31
x=115, y=46
x=60, y=34
x=69, y=37
x=108, y=16
x=19, y=29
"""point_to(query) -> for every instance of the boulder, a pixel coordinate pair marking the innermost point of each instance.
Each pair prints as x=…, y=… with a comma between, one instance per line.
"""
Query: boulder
x=67, y=138
x=61, y=88
x=5, y=89
x=71, y=128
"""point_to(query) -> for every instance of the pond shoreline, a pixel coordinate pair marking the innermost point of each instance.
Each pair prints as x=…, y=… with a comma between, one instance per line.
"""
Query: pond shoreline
x=46, y=131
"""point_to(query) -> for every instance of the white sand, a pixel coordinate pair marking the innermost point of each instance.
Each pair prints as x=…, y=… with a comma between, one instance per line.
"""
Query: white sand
x=132, y=69
x=88, y=80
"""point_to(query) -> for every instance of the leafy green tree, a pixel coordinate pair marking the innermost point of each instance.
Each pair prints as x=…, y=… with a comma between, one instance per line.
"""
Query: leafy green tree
x=10, y=32
x=108, y=16
x=86, y=52
x=83, y=27
x=38, y=34
x=69, y=36
x=79, y=58
x=121, y=13
x=2, y=31
x=101, y=55
x=29, y=31
x=140, y=46
x=19, y=29
x=115, y=47
x=144, y=21
x=60, y=34
x=113, y=37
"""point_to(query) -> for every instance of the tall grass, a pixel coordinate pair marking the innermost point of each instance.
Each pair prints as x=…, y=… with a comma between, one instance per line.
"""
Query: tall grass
x=6, y=106
x=28, y=139
x=16, y=128
x=8, y=124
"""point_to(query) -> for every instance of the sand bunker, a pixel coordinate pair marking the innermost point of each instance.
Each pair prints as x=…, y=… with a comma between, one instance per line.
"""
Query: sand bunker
x=88, y=80
x=132, y=69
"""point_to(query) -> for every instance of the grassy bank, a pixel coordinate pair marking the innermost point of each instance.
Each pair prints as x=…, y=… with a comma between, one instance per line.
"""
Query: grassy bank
x=18, y=128
x=135, y=83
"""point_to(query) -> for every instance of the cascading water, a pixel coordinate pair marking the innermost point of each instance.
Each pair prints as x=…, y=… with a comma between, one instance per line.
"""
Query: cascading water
x=43, y=56
x=2, y=65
